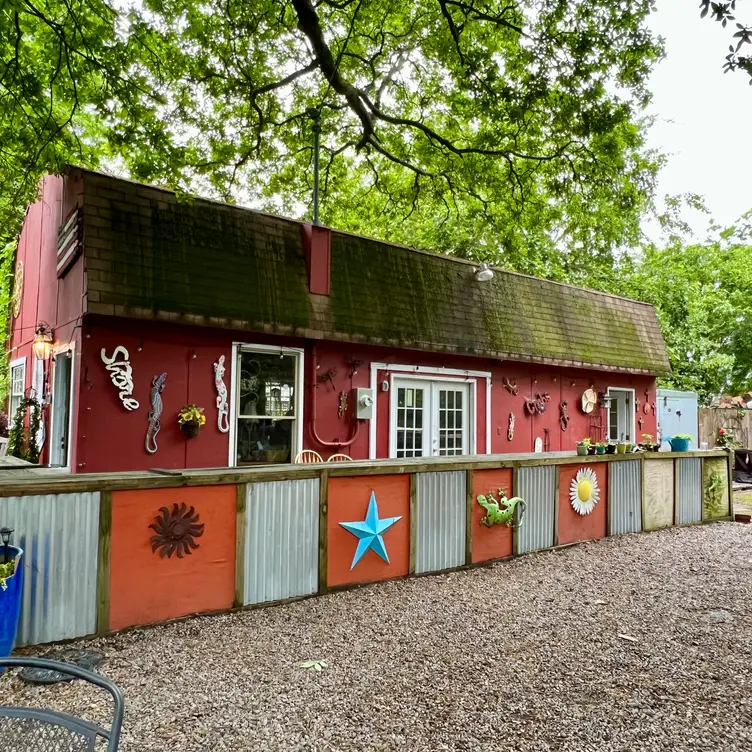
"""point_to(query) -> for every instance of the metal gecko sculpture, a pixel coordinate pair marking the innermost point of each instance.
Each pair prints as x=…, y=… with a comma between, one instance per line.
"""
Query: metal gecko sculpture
x=510, y=430
x=563, y=416
x=501, y=512
x=223, y=416
x=157, y=386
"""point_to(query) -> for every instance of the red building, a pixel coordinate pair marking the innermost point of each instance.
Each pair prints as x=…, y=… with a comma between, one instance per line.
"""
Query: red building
x=331, y=341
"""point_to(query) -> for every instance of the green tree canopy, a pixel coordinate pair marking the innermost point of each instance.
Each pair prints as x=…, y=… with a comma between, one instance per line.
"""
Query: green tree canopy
x=703, y=295
x=504, y=130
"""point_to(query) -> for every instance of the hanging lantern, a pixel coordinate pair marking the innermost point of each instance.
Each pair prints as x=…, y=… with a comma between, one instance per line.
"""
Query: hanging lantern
x=43, y=342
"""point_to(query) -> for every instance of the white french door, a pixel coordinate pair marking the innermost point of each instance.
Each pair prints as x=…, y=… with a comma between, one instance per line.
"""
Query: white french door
x=430, y=418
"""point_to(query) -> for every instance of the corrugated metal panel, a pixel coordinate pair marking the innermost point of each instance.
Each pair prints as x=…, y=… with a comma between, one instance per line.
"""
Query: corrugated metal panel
x=625, y=496
x=537, y=486
x=440, y=509
x=282, y=540
x=688, y=490
x=60, y=537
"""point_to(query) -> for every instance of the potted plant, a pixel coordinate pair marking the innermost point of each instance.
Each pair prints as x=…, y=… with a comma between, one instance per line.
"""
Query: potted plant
x=582, y=447
x=647, y=444
x=190, y=419
x=680, y=442
x=591, y=447
x=610, y=448
x=600, y=447
x=11, y=589
x=725, y=439
x=621, y=447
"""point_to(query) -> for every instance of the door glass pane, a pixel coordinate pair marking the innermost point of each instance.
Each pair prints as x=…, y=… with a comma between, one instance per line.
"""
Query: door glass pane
x=267, y=385
x=60, y=410
x=409, y=422
x=613, y=419
x=263, y=440
x=452, y=439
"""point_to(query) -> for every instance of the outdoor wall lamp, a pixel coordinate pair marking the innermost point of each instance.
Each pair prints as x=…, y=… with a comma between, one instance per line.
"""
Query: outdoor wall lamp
x=483, y=273
x=605, y=400
x=5, y=534
x=42, y=345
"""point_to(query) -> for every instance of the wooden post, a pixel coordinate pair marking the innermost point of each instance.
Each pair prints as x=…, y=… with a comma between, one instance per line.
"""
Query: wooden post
x=413, y=521
x=609, y=473
x=241, y=494
x=469, y=517
x=556, y=506
x=515, y=492
x=103, y=561
x=730, y=485
x=323, y=530
x=642, y=493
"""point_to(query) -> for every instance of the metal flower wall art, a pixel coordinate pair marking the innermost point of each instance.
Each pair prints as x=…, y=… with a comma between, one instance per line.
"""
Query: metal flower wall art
x=121, y=374
x=584, y=491
x=176, y=531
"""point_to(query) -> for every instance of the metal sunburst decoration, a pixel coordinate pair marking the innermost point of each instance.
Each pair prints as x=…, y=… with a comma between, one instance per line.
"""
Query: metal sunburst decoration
x=175, y=531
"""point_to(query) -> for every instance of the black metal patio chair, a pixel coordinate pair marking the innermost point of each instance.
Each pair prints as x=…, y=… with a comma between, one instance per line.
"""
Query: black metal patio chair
x=26, y=729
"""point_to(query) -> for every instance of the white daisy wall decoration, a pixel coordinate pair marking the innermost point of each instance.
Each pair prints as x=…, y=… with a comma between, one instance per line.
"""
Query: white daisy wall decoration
x=584, y=491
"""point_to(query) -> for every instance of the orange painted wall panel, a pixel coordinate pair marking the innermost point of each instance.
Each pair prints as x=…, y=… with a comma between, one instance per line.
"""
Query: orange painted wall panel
x=490, y=542
x=145, y=587
x=348, y=502
x=575, y=527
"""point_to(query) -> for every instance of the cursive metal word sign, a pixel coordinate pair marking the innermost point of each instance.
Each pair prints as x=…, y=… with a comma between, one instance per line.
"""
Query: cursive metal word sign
x=119, y=367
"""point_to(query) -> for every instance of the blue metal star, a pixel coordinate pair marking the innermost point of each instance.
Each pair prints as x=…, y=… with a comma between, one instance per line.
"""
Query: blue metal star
x=370, y=532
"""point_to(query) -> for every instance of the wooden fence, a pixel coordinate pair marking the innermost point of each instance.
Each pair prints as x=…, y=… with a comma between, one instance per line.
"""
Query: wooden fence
x=735, y=420
x=106, y=552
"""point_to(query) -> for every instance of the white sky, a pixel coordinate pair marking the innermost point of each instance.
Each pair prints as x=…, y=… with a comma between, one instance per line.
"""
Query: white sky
x=704, y=117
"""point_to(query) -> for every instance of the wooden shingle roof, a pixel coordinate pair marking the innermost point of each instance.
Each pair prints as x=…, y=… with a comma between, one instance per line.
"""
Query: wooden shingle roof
x=201, y=262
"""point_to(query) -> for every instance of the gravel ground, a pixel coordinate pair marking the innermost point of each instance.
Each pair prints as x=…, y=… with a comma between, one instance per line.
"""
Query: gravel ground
x=525, y=655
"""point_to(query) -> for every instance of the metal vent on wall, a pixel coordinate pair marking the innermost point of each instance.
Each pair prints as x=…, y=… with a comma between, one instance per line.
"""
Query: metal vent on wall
x=69, y=241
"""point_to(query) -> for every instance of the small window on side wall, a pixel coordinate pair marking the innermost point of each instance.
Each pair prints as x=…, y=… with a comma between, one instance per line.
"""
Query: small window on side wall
x=17, y=386
x=268, y=385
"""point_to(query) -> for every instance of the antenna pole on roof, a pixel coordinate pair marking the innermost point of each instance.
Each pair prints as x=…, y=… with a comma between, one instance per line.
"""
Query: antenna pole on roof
x=315, y=114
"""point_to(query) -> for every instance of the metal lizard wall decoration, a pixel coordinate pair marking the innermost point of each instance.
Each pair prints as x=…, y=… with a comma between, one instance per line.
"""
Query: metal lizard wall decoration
x=223, y=414
x=157, y=386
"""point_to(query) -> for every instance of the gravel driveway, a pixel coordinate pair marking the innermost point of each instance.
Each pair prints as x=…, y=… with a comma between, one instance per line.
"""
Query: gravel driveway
x=525, y=655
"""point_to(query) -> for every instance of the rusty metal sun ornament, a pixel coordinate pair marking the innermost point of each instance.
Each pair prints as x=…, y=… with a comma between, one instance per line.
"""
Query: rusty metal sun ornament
x=175, y=531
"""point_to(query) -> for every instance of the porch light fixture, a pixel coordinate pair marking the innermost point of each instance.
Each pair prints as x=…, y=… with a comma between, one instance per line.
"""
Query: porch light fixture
x=5, y=534
x=42, y=341
x=483, y=273
x=605, y=400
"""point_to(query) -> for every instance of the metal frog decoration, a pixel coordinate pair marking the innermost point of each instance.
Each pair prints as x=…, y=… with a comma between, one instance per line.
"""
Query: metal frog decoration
x=501, y=511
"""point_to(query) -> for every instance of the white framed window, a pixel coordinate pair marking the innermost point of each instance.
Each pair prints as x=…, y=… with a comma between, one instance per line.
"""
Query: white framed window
x=17, y=386
x=621, y=415
x=431, y=417
x=267, y=404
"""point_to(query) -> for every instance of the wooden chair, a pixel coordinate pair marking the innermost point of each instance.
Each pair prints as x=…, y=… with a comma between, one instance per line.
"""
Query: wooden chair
x=340, y=458
x=308, y=457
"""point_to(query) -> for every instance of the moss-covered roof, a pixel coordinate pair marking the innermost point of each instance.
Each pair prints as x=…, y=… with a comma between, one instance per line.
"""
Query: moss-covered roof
x=209, y=263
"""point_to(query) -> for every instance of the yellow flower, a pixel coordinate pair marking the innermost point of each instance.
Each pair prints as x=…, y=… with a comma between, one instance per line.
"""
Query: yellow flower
x=192, y=414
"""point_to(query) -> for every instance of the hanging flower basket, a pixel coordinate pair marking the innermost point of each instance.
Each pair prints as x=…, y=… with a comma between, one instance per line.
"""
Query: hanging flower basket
x=190, y=420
